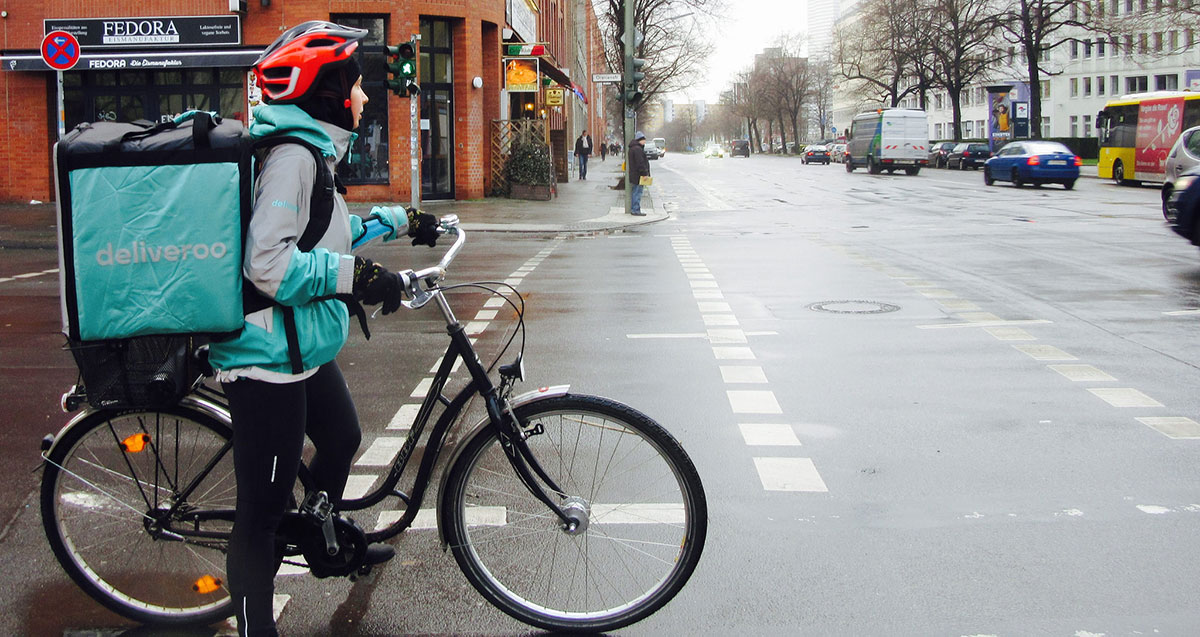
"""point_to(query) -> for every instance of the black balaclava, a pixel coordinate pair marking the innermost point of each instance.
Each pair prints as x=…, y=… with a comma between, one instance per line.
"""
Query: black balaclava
x=329, y=100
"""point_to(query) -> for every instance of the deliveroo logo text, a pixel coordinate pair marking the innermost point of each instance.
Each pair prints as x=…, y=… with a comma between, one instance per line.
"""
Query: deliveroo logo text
x=141, y=252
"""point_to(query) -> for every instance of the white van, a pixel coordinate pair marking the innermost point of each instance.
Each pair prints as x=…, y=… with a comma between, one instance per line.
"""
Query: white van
x=888, y=139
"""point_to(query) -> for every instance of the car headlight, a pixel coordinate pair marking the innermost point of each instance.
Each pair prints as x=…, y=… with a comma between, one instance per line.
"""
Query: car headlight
x=1183, y=183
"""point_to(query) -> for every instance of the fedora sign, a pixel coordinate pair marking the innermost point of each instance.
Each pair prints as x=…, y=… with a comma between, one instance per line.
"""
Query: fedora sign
x=183, y=31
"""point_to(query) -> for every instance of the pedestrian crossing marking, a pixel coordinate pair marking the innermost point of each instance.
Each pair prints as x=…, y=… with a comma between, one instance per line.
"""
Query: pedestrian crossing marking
x=726, y=335
x=426, y=519
x=768, y=435
x=742, y=374
x=1178, y=427
x=475, y=327
x=381, y=452
x=1045, y=353
x=707, y=294
x=1124, y=397
x=485, y=315
x=789, y=474
x=1081, y=373
x=357, y=486
x=733, y=353
x=753, y=402
x=1009, y=334
x=714, y=307
x=720, y=319
x=422, y=388
x=957, y=305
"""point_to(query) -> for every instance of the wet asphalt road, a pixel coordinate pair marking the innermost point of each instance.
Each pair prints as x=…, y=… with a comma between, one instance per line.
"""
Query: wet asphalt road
x=989, y=430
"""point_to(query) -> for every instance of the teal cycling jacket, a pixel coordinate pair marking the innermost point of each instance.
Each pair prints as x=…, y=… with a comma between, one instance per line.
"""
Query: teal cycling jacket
x=277, y=268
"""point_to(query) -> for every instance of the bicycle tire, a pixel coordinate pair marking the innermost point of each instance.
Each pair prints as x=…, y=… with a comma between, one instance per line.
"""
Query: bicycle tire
x=98, y=501
x=658, y=512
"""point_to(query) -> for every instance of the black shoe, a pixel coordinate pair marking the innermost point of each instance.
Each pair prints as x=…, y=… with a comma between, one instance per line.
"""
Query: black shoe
x=638, y=214
x=378, y=554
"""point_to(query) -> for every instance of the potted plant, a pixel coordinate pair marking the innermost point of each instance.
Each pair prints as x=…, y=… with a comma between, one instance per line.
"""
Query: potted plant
x=529, y=172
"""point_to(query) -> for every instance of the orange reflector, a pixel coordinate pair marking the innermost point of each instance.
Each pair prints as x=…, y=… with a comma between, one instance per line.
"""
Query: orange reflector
x=206, y=584
x=135, y=443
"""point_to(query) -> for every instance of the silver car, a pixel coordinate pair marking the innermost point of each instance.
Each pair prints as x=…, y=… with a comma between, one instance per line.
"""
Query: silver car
x=1184, y=154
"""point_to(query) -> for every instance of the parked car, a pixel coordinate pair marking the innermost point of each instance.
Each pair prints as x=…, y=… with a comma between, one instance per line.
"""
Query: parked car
x=968, y=155
x=816, y=154
x=837, y=153
x=1033, y=162
x=739, y=147
x=1184, y=155
x=661, y=145
x=938, y=152
x=1183, y=206
x=652, y=151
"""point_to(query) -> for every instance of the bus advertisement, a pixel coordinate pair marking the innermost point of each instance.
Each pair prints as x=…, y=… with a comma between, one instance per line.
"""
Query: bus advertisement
x=1137, y=132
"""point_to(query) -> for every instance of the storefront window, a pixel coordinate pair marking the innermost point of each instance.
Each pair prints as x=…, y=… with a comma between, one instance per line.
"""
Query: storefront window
x=368, y=160
x=126, y=96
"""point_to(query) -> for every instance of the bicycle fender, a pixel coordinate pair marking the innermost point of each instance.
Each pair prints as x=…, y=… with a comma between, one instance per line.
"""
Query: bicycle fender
x=526, y=398
x=199, y=403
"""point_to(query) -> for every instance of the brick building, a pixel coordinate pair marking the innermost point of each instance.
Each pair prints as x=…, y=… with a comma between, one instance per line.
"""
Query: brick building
x=150, y=59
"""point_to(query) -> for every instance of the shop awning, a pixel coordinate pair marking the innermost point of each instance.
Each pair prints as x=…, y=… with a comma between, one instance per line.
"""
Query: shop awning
x=136, y=60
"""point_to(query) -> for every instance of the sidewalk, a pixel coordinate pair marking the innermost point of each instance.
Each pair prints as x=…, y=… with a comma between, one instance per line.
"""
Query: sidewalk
x=580, y=207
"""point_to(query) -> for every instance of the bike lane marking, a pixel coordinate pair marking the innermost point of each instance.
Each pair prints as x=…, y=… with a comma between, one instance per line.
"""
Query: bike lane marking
x=729, y=344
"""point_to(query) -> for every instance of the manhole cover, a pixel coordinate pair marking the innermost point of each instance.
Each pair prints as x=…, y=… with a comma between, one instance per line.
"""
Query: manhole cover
x=854, y=307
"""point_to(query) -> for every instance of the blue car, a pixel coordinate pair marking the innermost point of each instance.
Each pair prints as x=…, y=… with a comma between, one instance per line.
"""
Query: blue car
x=1033, y=162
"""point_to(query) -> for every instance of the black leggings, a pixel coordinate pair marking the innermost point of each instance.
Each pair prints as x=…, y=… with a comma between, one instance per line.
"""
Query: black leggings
x=269, y=424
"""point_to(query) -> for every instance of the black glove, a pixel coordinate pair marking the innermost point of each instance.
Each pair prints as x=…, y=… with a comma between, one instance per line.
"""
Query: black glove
x=373, y=284
x=422, y=227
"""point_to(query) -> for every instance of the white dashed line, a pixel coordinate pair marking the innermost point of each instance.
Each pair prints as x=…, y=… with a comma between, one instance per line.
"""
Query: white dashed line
x=426, y=519
x=1009, y=334
x=732, y=374
x=1178, y=427
x=486, y=315
x=381, y=452
x=357, y=486
x=475, y=327
x=1081, y=373
x=942, y=326
x=733, y=353
x=720, y=319
x=495, y=301
x=404, y=418
x=422, y=388
x=753, y=402
x=1124, y=397
x=1182, y=312
x=1045, y=353
x=789, y=474
x=769, y=435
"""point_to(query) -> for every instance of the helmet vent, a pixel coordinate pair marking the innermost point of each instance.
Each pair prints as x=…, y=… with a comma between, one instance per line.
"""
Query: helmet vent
x=321, y=42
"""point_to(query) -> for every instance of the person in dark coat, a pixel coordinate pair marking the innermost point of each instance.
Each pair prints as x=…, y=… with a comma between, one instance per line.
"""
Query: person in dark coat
x=603, y=151
x=583, y=148
x=639, y=167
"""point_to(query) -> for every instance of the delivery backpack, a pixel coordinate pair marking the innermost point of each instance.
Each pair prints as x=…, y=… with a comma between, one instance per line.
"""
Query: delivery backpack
x=151, y=221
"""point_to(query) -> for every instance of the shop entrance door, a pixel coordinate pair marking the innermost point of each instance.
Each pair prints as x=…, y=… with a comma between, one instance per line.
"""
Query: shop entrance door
x=437, y=110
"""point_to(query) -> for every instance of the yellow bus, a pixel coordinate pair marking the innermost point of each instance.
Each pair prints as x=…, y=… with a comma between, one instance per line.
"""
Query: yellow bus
x=1137, y=131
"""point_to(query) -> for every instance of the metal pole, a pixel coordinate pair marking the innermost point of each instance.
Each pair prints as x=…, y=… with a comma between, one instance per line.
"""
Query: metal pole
x=414, y=143
x=62, y=109
x=630, y=113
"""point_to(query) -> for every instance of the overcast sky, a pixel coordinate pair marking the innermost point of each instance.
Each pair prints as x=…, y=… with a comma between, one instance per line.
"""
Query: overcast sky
x=749, y=27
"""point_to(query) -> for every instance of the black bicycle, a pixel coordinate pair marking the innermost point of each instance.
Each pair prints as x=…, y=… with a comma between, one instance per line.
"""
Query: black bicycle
x=566, y=511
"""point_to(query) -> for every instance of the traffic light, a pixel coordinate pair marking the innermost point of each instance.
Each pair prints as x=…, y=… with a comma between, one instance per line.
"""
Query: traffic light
x=632, y=42
x=402, y=66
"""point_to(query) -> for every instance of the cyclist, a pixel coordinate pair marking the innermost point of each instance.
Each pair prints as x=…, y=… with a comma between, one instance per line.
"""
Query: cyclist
x=312, y=89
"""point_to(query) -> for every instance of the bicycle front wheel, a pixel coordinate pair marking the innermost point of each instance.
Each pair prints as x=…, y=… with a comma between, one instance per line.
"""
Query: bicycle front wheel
x=637, y=494
x=138, y=506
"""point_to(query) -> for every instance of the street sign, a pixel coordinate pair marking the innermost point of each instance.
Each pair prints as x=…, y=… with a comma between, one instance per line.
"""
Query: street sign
x=602, y=78
x=60, y=50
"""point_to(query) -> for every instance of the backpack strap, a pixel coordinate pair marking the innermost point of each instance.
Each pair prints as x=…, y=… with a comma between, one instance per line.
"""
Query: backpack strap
x=320, y=215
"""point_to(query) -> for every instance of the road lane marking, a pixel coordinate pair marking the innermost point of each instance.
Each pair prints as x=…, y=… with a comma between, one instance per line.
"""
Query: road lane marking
x=475, y=327
x=733, y=353
x=422, y=388
x=1081, y=373
x=381, y=452
x=789, y=474
x=714, y=307
x=404, y=418
x=742, y=374
x=978, y=316
x=707, y=294
x=1124, y=397
x=753, y=402
x=357, y=486
x=1178, y=427
x=769, y=435
x=700, y=276
x=486, y=315
x=726, y=335
x=426, y=519
x=1045, y=353
x=942, y=326
x=957, y=305
x=1182, y=312
x=719, y=319
x=1009, y=334
x=935, y=293
x=495, y=301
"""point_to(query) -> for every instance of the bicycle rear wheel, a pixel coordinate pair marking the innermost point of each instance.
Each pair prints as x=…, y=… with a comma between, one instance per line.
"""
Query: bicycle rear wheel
x=138, y=505
x=638, y=492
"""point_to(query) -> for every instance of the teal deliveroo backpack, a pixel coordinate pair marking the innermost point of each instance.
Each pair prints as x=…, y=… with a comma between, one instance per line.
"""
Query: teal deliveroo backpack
x=151, y=226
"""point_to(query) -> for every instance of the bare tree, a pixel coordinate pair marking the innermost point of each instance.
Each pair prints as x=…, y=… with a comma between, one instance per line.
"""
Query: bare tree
x=822, y=83
x=791, y=82
x=967, y=50
x=1038, y=27
x=675, y=44
x=876, y=49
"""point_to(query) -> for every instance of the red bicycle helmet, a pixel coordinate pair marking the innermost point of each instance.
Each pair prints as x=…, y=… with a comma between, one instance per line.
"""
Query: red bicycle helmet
x=291, y=66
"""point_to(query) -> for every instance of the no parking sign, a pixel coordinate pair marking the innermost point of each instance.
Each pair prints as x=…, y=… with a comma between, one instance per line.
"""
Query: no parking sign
x=60, y=50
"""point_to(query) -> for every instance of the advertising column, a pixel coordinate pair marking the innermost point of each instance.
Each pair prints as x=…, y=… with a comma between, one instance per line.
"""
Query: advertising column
x=1000, y=116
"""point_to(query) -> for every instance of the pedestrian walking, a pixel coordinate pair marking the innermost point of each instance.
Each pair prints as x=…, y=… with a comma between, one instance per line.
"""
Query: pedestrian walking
x=603, y=151
x=583, y=148
x=639, y=167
